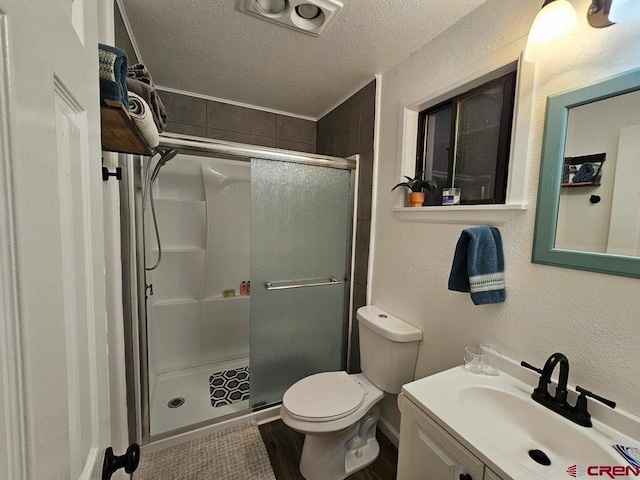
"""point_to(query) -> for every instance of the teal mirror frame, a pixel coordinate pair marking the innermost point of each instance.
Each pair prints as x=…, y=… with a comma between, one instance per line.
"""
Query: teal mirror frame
x=555, y=133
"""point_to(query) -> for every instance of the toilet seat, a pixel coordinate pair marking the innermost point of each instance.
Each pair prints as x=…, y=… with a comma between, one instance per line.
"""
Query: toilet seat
x=323, y=397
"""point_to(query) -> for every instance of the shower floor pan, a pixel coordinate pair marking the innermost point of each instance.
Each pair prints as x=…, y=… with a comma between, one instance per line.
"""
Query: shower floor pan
x=192, y=385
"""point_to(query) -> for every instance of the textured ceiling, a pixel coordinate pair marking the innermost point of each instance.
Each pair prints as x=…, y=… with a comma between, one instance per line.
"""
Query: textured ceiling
x=211, y=48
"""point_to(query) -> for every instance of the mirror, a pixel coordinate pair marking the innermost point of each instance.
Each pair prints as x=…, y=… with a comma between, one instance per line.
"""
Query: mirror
x=588, y=214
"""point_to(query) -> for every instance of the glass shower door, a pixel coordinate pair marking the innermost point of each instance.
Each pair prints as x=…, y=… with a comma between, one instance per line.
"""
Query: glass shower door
x=301, y=222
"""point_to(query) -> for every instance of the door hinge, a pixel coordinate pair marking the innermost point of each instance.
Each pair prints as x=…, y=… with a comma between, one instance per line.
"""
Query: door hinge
x=106, y=174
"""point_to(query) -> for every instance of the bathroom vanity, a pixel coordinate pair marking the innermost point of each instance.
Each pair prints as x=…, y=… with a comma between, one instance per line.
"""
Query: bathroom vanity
x=461, y=426
x=429, y=452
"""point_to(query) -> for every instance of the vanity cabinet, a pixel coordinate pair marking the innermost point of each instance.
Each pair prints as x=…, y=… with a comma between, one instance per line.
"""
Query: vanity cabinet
x=428, y=452
x=490, y=474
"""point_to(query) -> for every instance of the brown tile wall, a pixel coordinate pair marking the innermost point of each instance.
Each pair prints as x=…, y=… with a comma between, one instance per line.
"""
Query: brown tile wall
x=206, y=118
x=347, y=130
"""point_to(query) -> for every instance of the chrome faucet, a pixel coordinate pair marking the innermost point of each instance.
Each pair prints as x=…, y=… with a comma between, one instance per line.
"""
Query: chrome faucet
x=558, y=403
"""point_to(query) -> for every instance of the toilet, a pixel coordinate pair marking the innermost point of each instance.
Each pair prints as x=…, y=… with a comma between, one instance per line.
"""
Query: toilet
x=338, y=412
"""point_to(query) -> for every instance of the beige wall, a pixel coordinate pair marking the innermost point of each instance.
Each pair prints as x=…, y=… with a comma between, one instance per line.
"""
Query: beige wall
x=591, y=317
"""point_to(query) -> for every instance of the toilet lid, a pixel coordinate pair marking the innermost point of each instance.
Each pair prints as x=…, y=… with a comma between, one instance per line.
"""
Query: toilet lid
x=323, y=397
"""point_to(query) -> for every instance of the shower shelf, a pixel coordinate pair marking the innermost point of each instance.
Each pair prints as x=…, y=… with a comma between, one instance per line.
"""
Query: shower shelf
x=174, y=301
x=178, y=250
x=218, y=298
x=118, y=132
x=178, y=200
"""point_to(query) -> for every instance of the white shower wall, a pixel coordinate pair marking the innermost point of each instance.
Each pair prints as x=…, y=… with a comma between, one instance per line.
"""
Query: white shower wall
x=203, y=210
x=224, y=331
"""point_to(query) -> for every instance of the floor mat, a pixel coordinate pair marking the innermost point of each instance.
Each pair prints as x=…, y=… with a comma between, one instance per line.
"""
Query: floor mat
x=236, y=453
x=229, y=386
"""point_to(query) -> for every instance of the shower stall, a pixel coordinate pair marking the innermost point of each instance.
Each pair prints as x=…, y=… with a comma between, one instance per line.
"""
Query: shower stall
x=244, y=259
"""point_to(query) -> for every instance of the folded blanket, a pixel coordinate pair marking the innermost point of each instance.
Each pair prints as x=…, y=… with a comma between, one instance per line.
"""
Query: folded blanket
x=142, y=117
x=139, y=81
x=478, y=265
x=113, y=74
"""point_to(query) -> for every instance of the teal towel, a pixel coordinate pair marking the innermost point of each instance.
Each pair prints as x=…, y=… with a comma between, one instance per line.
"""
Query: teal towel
x=113, y=74
x=478, y=265
x=587, y=173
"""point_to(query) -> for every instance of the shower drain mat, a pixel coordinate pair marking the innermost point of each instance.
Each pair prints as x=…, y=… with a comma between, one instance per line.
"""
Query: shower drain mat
x=229, y=386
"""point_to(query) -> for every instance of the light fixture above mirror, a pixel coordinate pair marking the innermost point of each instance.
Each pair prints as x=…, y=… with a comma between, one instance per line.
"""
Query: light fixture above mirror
x=558, y=17
x=603, y=13
x=598, y=13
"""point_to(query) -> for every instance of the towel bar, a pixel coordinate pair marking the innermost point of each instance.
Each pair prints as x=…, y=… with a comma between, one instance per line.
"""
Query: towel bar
x=299, y=284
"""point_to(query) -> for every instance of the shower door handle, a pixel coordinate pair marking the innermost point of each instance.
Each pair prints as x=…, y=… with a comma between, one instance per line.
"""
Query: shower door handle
x=321, y=282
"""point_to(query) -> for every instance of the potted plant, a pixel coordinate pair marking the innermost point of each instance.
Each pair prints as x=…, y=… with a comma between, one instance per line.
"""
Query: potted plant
x=416, y=186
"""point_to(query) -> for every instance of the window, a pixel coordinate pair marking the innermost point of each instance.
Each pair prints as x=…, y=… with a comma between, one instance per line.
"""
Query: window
x=464, y=142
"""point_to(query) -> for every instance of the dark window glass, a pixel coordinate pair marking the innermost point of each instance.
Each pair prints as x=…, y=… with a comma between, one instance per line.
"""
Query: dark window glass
x=464, y=142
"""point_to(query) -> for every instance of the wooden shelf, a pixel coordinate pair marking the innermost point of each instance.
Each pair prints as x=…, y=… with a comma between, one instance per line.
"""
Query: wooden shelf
x=119, y=133
x=580, y=184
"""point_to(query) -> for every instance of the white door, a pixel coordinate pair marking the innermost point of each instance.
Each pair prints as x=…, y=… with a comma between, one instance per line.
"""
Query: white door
x=624, y=228
x=55, y=400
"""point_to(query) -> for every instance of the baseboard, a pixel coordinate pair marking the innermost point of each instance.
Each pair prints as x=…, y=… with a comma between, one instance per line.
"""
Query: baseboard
x=389, y=432
x=271, y=415
x=260, y=417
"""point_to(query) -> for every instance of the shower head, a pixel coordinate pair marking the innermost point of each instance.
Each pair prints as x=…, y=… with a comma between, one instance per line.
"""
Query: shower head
x=165, y=157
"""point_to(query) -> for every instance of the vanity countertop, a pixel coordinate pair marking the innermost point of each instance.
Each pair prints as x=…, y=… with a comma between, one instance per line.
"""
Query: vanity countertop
x=495, y=418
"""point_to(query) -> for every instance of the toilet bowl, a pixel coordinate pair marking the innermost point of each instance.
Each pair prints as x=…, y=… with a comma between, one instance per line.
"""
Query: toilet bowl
x=338, y=412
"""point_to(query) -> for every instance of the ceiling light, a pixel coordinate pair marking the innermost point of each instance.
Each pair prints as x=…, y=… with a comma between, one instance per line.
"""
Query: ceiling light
x=271, y=7
x=312, y=17
x=556, y=19
x=624, y=11
x=308, y=11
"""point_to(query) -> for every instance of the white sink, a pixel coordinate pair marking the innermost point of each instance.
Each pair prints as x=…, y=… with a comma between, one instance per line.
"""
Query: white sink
x=496, y=419
x=499, y=415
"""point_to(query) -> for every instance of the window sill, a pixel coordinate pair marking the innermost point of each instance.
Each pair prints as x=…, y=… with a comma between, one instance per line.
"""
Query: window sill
x=461, y=214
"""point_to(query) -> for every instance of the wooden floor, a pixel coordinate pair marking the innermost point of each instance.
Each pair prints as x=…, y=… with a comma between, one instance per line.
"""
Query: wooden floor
x=285, y=448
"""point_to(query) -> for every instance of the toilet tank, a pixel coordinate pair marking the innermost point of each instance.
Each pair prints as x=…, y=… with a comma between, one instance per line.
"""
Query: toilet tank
x=388, y=348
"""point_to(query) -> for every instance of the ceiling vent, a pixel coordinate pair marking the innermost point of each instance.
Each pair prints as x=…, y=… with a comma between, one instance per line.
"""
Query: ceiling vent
x=308, y=16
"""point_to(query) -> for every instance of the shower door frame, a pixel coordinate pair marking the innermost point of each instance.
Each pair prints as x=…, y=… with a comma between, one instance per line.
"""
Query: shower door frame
x=233, y=151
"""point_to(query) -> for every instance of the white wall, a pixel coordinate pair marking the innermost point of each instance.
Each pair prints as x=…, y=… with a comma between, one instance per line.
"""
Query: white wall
x=590, y=317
